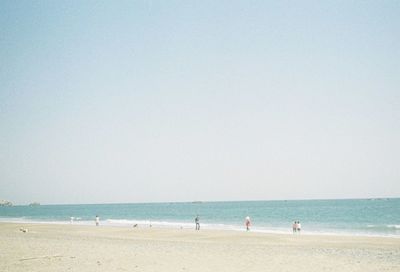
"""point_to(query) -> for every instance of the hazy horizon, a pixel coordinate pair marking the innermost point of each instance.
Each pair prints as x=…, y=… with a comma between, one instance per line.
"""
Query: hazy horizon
x=152, y=101
x=207, y=201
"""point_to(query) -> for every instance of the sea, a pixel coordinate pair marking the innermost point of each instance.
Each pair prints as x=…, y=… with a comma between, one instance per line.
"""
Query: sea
x=365, y=217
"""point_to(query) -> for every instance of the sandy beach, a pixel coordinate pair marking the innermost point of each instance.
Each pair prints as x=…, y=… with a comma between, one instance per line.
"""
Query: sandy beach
x=89, y=248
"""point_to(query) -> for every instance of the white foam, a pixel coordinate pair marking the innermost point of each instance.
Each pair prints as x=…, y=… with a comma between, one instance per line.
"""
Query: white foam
x=25, y=220
x=393, y=226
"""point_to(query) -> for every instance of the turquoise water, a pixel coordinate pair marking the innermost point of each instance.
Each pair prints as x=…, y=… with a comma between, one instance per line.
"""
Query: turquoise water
x=356, y=217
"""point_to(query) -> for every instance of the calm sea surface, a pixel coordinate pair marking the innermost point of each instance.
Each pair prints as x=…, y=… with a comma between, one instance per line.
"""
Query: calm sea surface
x=355, y=217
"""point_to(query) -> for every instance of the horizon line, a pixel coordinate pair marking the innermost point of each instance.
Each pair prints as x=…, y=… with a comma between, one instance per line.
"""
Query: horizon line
x=210, y=201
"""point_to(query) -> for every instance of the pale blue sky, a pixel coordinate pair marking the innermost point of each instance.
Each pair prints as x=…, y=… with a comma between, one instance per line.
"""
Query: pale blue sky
x=141, y=101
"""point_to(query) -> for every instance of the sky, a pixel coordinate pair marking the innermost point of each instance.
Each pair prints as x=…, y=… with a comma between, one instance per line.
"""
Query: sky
x=159, y=101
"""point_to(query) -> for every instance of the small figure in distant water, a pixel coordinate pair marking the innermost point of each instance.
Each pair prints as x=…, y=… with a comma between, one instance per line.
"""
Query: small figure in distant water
x=298, y=226
x=97, y=220
x=294, y=226
x=197, y=221
x=71, y=220
x=247, y=222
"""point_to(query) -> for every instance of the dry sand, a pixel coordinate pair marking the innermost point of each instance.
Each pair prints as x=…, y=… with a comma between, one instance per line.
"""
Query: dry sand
x=89, y=248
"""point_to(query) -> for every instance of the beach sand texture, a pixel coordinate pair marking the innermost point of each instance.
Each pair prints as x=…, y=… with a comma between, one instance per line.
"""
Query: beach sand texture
x=89, y=248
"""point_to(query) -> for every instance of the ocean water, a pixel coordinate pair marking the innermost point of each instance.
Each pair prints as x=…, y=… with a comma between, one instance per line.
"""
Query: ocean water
x=376, y=217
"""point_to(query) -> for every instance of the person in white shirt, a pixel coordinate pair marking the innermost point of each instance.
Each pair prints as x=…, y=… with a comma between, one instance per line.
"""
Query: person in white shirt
x=298, y=226
x=97, y=220
x=247, y=222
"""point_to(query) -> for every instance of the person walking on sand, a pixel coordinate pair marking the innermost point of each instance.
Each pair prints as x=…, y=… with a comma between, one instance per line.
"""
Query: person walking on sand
x=247, y=222
x=197, y=221
x=97, y=220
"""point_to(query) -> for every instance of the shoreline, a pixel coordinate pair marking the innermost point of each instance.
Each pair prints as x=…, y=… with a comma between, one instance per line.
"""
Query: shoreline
x=50, y=247
x=229, y=232
x=205, y=226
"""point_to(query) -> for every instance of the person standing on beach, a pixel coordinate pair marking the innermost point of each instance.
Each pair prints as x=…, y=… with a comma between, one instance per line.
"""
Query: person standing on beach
x=97, y=220
x=294, y=226
x=197, y=221
x=247, y=222
x=298, y=226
